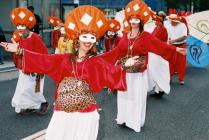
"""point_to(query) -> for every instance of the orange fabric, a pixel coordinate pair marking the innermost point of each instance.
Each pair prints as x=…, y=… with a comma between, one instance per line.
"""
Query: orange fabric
x=113, y=25
x=155, y=16
x=16, y=35
x=137, y=9
x=126, y=25
x=54, y=21
x=86, y=18
x=23, y=16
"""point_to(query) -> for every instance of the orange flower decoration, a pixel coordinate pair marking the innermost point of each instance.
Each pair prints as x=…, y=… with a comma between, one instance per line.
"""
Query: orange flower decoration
x=54, y=21
x=113, y=25
x=86, y=19
x=23, y=16
x=137, y=9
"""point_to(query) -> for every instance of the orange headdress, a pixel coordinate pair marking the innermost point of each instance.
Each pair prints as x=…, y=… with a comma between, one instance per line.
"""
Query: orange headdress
x=126, y=25
x=113, y=25
x=54, y=21
x=23, y=16
x=86, y=19
x=137, y=9
x=155, y=17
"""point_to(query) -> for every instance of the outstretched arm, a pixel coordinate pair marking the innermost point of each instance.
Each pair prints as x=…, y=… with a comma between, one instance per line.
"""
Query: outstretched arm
x=38, y=63
x=102, y=74
x=161, y=48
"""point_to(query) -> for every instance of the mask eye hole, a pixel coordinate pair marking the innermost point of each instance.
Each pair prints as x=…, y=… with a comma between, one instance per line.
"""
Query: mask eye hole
x=92, y=38
x=84, y=36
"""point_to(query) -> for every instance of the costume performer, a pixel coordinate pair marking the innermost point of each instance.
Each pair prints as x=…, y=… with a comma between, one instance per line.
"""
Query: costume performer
x=132, y=103
x=28, y=97
x=56, y=33
x=78, y=76
x=177, y=34
x=111, y=38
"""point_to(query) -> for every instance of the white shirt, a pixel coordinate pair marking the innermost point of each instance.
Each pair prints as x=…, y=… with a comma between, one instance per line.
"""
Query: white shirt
x=177, y=31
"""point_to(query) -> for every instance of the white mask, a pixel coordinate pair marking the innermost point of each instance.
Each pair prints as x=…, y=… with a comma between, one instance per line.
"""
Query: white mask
x=134, y=20
x=21, y=27
x=109, y=33
x=87, y=38
x=62, y=30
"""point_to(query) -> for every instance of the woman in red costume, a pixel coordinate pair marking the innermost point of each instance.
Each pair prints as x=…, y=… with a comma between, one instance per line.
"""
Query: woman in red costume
x=28, y=97
x=56, y=34
x=77, y=75
x=111, y=38
x=132, y=103
x=161, y=33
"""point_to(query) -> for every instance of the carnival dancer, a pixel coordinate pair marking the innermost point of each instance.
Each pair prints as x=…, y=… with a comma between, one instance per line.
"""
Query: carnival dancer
x=111, y=37
x=132, y=103
x=56, y=33
x=28, y=97
x=177, y=34
x=77, y=75
x=159, y=32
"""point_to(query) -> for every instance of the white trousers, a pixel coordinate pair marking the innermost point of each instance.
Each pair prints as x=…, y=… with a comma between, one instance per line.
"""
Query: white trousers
x=73, y=126
x=25, y=96
x=132, y=103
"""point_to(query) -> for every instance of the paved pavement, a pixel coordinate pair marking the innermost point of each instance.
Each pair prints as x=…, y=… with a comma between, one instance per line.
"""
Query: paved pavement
x=183, y=115
x=8, y=71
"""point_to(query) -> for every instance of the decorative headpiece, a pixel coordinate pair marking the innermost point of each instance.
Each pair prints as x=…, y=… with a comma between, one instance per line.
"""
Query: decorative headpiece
x=113, y=25
x=85, y=20
x=54, y=21
x=23, y=16
x=137, y=9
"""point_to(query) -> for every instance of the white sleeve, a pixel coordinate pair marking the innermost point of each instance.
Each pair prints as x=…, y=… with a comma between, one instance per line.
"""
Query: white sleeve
x=183, y=29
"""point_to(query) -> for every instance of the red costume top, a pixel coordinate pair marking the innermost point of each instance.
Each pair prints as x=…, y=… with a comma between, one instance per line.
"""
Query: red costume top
x=95, y=71
x=144, y=44
x=55, y=37
x=34, y=44
x=161, y=33
x=111, y=43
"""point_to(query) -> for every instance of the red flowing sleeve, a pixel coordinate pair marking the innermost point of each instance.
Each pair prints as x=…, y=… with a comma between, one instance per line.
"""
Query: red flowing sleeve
x=102, y=74
x=116, y=53
x=158, y=47
x=44, y=64
x=38, y=45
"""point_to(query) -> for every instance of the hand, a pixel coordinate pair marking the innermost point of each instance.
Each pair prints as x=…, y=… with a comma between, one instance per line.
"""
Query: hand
x=131, y=61
x=182, y=51
x=171, y=41
x=10, y=47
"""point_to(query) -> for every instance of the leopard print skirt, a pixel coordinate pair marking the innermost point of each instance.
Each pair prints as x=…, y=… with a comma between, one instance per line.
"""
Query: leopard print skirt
x=74, y=95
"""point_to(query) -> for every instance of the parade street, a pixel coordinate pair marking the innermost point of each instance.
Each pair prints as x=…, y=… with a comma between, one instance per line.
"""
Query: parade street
x=181, y=115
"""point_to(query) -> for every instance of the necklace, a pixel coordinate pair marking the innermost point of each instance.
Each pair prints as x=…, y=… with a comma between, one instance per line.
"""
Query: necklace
x=130, y=46
x=75, y=71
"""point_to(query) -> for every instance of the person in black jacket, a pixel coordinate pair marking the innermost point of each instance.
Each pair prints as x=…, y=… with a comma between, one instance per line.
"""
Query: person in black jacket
x=36, y=27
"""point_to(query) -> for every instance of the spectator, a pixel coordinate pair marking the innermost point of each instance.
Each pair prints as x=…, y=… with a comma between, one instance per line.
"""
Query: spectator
x=38, y=21
x=2, y=39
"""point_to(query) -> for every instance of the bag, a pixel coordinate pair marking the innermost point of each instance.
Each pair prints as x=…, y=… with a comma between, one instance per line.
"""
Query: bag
x=140, y=65
x=74, y=95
